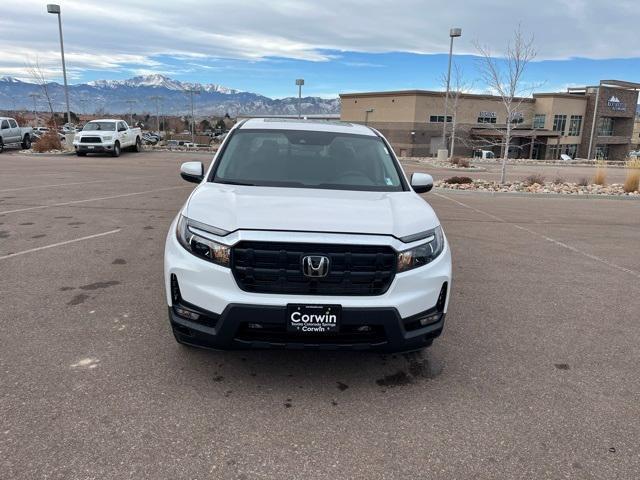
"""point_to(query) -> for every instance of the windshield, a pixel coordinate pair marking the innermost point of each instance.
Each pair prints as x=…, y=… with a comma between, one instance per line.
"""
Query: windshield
x=305, y=159
x=93, y=126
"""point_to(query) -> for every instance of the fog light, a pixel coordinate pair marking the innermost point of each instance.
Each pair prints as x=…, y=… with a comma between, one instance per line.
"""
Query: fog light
x=428, y=320
x=254, y=326
x=364, y=329
x=188, y=314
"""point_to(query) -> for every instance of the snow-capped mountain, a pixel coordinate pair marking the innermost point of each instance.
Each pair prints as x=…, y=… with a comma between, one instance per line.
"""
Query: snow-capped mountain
x=139, y=93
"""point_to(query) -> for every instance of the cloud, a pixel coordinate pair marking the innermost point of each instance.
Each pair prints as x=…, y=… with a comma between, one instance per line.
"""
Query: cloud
x=120, y=34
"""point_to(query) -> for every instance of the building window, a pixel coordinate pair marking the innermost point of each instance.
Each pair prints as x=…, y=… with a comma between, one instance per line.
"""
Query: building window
x=575, y=125
x=440, y=118
x=602, y=152
x=517, y=117
x=559, y=123
x=605, y=127
x=571, y=150
x=539, y=120
x=487, y=117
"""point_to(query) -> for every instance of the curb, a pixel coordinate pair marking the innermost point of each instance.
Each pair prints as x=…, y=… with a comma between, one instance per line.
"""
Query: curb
x=51, y=154
x=586, y=196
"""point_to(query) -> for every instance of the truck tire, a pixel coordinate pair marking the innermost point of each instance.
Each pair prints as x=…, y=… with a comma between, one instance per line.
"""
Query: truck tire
x=137, y=147
x=116, y=149
x=26, y=142
x=1, y=145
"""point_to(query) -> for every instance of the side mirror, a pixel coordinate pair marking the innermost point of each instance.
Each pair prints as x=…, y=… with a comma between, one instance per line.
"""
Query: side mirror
x=421, y=182
x=192, y=171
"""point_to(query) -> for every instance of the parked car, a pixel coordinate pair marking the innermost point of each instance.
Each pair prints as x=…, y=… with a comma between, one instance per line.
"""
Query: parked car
x=107, y=136
x=12, y=134
x=634, y=154
x=484, y=154
x=306, y=234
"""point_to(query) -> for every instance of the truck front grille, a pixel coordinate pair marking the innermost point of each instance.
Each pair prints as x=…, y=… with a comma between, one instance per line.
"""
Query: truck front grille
x=276, y=267
x=90, y=140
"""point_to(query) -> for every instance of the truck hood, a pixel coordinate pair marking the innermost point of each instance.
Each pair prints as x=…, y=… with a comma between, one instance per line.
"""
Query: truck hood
x=233, y=208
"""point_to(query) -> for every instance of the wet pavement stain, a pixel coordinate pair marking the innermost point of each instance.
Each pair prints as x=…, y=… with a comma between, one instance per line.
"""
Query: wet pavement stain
x=148, y=227
x=39, y=236
x=98, y=285
x=75, y=223
x=119, y=261
x=342, y=386
x=78, y=299
x=65, y=289
x=218, y=378
x=417, y=367
x=561, y=366
x=4, y=234
x=63, y=216
x=398, y=379
x=26, y=223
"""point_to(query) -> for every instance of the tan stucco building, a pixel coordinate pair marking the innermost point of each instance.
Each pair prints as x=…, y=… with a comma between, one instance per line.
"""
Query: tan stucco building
x=544, y=126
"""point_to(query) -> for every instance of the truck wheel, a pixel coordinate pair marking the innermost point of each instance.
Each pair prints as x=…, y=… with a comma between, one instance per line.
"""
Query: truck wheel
x=1, y=145
x=26, y=142
x=138, y=146
x=116, y=150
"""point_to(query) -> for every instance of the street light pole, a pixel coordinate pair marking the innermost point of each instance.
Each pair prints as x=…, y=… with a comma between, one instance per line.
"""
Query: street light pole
x=130, y=103
x=453, y=33
x=300, y=83
x=55, y=9
x=35, y=96
x=193, y=91
x=157, y=98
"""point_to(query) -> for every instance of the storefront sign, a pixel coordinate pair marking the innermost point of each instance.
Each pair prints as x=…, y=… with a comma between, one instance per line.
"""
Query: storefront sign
x=615, y=104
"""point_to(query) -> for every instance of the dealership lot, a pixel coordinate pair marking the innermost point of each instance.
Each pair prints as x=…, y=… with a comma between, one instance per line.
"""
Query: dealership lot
x=535, y=375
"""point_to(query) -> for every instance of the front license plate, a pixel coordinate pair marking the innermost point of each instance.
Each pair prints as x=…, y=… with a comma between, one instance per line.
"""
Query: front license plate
x=90, y=147
x=313, y=318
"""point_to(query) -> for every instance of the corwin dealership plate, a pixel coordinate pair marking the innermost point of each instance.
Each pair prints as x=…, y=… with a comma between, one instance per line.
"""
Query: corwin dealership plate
x=313, y=319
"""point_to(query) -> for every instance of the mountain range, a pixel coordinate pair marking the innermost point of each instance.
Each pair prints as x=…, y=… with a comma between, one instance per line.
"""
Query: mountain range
x=136, y=95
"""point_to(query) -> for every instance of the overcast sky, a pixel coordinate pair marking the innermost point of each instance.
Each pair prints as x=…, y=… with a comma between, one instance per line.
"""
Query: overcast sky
x=336, y=45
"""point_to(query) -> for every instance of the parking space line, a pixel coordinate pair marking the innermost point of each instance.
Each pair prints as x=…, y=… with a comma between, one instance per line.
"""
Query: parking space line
x=81, y=239
x=545, y=237
x=51, y=186
x=74, y=202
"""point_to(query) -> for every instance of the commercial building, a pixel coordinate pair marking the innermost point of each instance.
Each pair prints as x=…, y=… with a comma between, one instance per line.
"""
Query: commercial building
x=590, y=122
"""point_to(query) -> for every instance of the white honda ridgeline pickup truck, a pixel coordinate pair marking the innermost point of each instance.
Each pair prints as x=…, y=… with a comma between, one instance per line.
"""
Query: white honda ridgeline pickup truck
x=306, y=234
x=107, y=136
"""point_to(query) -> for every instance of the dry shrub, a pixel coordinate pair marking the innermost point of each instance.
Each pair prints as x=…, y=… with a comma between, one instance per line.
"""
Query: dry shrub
x=458, y=180
x=558, y=181
x=535, y=178
x=632, y=180
x=455, y=160
x=583, y=182
x=47, y=142
x=464, y=162
x=600, y=178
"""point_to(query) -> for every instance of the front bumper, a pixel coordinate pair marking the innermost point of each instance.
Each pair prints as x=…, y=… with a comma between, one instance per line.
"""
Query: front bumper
x=264, y=327
x=93, y=148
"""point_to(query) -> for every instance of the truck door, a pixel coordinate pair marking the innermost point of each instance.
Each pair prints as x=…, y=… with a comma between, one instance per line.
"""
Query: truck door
x=15, y=131
x=123, y=133
x=5, y=131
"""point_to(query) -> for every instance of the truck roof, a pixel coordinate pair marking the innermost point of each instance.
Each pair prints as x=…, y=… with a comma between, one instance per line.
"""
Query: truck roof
x=106, y=120
x=334, y=126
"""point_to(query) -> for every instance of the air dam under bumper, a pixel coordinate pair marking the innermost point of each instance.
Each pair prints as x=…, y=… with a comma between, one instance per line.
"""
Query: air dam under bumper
x=257, y=326
x=97, y=148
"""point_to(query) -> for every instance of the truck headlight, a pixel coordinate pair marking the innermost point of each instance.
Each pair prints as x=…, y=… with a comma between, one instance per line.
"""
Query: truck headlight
x=422, y=254
x=191, y=236
x=107, y=138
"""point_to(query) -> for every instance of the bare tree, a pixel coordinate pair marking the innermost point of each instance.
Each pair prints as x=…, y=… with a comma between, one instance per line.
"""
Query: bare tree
x=459, y=86
x=504, y=76
x=39, y=77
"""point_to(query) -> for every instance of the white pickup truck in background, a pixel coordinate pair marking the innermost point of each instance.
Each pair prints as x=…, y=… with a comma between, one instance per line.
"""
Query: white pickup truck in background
x=12, y=133
x=107, y=136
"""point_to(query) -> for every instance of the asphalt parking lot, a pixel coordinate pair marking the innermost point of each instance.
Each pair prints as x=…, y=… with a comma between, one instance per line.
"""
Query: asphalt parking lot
x=535, y=376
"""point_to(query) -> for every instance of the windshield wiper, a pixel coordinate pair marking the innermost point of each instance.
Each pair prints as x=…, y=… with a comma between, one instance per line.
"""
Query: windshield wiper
x=232, y=182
